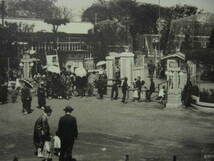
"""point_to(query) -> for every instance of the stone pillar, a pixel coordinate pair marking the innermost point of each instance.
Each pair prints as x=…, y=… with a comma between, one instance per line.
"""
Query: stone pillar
x=126, y=66
x=110, y=68
x=26, y=66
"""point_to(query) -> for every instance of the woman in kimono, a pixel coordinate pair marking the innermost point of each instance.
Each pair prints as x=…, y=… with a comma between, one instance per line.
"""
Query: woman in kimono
x=42, y=131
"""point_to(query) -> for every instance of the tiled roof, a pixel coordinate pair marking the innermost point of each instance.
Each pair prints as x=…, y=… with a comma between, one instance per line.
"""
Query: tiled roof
x=40, y=25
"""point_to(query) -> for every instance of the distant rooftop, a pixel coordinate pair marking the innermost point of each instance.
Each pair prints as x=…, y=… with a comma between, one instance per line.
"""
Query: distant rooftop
x=195, y=25
x=41, y=26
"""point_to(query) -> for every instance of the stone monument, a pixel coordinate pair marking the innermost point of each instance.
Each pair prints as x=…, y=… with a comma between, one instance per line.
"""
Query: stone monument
x=174, y=84
x=27, y=63
x=126, y=66
x=110, y=69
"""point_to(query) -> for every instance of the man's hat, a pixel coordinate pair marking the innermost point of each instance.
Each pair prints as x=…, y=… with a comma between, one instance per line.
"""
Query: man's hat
x=68, y=109
x=47, y=109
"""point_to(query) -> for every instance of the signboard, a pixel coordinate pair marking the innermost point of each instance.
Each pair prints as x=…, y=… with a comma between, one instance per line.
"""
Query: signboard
x=53, y=63
x=172, y=65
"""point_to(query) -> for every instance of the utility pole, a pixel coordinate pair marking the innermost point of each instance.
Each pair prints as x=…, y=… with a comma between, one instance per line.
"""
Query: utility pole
x=2, y=12
x=95, y=18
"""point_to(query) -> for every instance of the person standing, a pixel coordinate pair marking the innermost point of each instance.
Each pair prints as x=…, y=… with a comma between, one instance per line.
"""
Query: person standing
x=4, y=92
x=42, y=131
x=101, y=87
x=26, y=100
x=139, y=88
x=68, y=132
x=151, y=89
x=151, y=69
x=124, y=89
x=114, y=90
x=41, y=93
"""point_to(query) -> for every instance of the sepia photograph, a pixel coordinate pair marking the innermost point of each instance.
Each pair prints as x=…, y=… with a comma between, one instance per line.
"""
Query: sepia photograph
x=106, y=80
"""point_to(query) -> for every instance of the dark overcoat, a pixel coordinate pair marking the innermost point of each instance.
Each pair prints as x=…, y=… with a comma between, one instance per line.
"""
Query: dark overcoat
x=41, y=96
x=41, y=131
x=67, y=129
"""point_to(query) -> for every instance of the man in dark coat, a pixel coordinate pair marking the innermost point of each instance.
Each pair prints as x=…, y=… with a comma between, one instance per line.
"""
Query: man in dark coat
x=26, y=99
x=68, y=132
x=101, y=87
x=139, y=87
x=124, y=89
x=151, y=90
x=41, y=93
x=114, y=90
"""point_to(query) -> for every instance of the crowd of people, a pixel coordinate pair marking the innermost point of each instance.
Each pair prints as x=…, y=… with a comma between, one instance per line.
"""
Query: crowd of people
x=66, y=134
x=65, y=86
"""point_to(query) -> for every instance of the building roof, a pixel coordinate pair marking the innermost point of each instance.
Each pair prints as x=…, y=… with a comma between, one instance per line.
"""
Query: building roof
x=41, y=26
x=176, y=55
x=196, y=25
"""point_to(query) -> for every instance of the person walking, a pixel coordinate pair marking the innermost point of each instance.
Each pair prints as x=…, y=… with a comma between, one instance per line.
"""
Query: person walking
x=124, y=89
x=26, y=100
x=101, y=87
x=42, y=131
x=41, y=93
x=114, y=90
x=68, y=132
x=151, y=90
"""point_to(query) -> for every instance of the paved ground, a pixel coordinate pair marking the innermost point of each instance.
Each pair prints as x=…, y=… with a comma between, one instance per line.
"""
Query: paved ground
x=109, y=130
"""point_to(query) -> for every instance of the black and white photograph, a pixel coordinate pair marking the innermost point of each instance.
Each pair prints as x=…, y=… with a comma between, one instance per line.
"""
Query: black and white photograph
x=106, y=80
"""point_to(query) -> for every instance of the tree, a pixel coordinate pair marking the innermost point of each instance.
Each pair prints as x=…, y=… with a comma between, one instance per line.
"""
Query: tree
x=138, y=18
x=30, y=8
x=97, y=12
x=59, y=16
x=106, y=33
x=9, y=35
x=179, y=11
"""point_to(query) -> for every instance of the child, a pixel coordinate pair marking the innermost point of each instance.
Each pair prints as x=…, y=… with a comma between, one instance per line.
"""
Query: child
x=47, y=151
x=57, y=144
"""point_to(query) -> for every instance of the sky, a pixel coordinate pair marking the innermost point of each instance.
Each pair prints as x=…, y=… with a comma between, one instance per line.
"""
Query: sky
x=78, y=6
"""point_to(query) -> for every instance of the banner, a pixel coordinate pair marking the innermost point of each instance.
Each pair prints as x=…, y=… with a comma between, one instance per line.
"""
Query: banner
x=53, y=63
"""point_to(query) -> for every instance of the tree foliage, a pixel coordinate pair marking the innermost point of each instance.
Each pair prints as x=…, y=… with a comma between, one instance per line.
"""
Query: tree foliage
x=137, y=18
x=30, y=8
x=9, y=36
x=167, y=35
x=58, y=17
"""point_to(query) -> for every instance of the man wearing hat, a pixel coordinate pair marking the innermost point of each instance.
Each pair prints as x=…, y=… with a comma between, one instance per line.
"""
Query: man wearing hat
x=68, y=132
x=42, y=131
x=41, y=95
x=26, y=99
